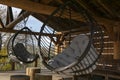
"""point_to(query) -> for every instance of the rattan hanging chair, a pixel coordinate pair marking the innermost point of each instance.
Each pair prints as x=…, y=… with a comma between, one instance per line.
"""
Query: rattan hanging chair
x=22, y=46
x=81, y=56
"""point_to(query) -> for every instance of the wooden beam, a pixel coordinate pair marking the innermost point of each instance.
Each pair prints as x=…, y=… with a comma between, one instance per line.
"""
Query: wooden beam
x=61, y=24
x=29, y=6
x=107, y=51
x=9, y=17
x=36, y=7
x=46, y=1
x=24, y=32
x=106, y=45
x=20, y=18
x=22, y=11
x=1, y=23
x=105, y=7
x=108, y=24
x=45, y=9
x=117, y=42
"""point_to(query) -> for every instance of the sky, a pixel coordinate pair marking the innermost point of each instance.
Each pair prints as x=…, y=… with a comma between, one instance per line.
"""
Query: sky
x=32, y=22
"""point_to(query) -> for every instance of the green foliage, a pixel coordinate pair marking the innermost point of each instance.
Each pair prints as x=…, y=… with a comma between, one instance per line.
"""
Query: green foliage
x=5, y=66
x=4, y=62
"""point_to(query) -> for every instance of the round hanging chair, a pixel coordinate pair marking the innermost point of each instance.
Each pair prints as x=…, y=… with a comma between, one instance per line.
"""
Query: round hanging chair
x=80, y=31
x=22, y=46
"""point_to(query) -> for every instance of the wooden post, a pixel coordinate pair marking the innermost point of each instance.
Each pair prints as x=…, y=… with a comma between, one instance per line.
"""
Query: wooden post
x=19, y=77
x=13, y=65
x=36, y=63
x=43, y=77
x=31, y=72
x=57, y=50
x=51, y=76
x=116, y=43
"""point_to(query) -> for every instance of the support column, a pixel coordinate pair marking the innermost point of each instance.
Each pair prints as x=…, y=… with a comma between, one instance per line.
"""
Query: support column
x=57, y=49
x=57, y=44
x=19, y=77
x=116, y=43
x=31, y=71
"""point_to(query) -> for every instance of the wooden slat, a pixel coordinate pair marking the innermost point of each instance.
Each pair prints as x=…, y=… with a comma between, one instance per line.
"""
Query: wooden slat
x=29, y=6
x=109, y=51
x=41, y=8
x=9, y=17
x=102, y=5
x=1, y=23
x=105, y=40
x=45, y=9
x=20, y=18
x=24, y=32
x=106, y=56
x=107, y=45
x=109, y=59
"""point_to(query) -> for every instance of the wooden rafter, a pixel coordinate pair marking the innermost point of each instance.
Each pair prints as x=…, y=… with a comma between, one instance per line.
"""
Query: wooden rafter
x=24, y=32
x=36, y=7
x=105, y=7
x=1, y=23
x=47, y=10
x=45, y=1
x=20, y=18
x=61, y=24
x=22, y=11
x=25, y=5
x=9, y=17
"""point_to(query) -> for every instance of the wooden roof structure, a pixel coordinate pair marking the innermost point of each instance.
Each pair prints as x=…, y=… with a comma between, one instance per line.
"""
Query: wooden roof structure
x=105, y=12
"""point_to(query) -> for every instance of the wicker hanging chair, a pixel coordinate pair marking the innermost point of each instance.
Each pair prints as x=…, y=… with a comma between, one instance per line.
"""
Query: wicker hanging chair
x=81, y=56
x=23, y=46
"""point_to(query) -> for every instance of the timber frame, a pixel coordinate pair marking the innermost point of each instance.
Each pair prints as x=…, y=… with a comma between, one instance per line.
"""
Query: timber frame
x=105, y=12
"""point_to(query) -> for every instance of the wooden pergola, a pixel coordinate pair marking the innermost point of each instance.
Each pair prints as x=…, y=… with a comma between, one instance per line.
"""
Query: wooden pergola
x=105, y=12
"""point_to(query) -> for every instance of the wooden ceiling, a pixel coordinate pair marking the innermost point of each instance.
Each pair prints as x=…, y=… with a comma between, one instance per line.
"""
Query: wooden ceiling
x=105, y=12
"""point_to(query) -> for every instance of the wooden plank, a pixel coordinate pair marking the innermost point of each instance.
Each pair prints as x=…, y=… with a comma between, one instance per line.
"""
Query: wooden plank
x=106, y=45
x=116, y=77
x=102, y=5
x=107, y=51
x=19, y=77
x=45, y=9
x=117, y=49
x=29, y=6
x=104, y=39
x=1, y=23
x=31, y=71
x=20, y=18
x=45, y=1
x=24, y=32
x=9, y=17
x=38, y=8
x=117, y=42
